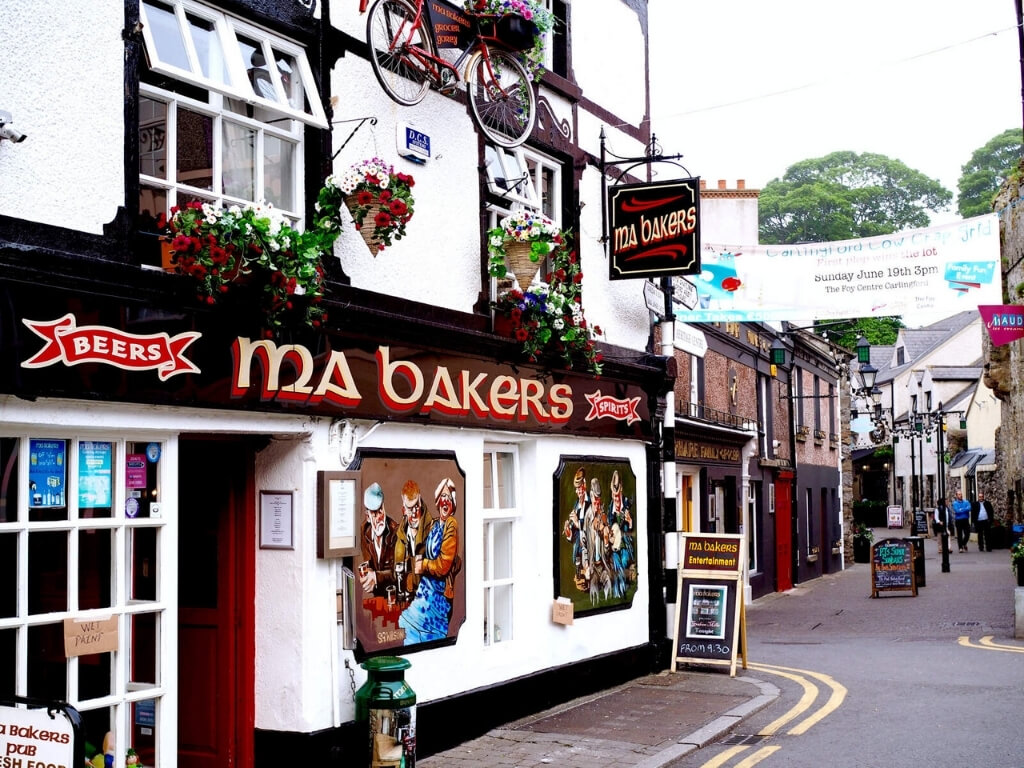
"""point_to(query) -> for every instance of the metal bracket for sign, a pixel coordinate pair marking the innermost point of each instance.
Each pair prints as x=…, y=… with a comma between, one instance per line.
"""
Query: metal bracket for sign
x=653, y=155
x=361, y=120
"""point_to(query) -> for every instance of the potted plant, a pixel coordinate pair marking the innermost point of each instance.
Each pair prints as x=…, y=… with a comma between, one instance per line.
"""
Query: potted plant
x=1017, y=560
x=862, y=538
x=251, y=250
x=520, y=243
x=379, y=200
x=521, y=26
x=548, y=319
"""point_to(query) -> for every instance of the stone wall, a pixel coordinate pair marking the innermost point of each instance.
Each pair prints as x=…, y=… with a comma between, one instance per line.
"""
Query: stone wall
x=1004, y=365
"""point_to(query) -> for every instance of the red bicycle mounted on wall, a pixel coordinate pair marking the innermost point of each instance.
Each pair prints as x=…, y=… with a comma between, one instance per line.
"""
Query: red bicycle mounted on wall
x=403, y=51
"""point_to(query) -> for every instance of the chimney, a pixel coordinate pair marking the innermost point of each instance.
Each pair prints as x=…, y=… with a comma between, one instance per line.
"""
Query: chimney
x=741, y=183
x=721, y=183
x=703, y=184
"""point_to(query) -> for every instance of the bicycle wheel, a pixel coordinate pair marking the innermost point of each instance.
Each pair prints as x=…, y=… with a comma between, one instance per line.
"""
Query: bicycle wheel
x=501, y=97
x=399, y=73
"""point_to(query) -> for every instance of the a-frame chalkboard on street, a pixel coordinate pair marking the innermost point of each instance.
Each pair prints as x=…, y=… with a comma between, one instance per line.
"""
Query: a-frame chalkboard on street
x=710, y=625
x=892, y=566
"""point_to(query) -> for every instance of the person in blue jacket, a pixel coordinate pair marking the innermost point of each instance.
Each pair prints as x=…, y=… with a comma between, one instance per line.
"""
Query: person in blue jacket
x=962, y=518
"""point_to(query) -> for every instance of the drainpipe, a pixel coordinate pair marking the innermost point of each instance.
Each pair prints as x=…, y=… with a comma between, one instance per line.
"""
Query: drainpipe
x=749, y=451
x=670, y=522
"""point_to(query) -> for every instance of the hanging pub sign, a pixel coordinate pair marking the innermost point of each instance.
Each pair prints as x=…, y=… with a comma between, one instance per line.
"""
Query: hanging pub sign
x=655, y=229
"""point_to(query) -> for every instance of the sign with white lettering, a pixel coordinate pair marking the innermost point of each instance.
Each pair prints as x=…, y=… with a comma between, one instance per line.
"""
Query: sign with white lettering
x=655, y=229
x=413, y=143
x=35, y=737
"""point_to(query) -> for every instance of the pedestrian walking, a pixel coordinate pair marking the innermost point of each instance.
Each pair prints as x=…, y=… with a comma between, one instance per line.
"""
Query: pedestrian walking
x=982, y=515
x=942, y=523
x=962, y=519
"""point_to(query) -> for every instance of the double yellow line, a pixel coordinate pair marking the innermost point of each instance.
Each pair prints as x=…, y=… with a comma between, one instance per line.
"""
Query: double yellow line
x=986, y=644
x=805, y=679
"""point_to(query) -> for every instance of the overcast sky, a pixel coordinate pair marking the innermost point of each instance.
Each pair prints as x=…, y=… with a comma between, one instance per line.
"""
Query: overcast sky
x=745, y=88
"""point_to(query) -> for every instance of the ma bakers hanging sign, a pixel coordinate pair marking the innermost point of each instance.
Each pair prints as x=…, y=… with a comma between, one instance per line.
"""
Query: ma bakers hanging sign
x=385, y=381
x=655, y=229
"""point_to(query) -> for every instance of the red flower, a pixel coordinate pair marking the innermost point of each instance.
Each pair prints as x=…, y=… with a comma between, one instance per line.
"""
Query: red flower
x=398, y=207
x=522, y=334
x=382, y=219
x=364, y=197
x=385, y=196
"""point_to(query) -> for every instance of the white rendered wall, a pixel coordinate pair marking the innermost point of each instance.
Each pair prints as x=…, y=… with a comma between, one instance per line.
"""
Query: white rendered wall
x=63, y=84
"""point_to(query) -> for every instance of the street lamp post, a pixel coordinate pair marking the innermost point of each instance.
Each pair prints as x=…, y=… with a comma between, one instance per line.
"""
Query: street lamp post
x=941, y=469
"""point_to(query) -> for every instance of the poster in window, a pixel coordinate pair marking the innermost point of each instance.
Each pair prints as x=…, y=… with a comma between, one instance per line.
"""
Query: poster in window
x=135, y=471
x=596, y=554
x=410, y=579
x=94, y=487
x=47, y=473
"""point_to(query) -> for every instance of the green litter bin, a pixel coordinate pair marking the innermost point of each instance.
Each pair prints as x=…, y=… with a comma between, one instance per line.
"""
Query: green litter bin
x=387, y=705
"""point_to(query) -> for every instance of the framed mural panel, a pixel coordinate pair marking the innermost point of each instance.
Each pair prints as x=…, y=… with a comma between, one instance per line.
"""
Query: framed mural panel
x=596, y=557
x=410, y=583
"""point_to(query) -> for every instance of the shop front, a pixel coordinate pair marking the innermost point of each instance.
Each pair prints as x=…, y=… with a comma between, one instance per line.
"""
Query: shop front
x=209, y=533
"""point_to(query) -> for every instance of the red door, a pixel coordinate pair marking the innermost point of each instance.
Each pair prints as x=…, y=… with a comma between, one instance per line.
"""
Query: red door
x=215, y=658
x=783, y=536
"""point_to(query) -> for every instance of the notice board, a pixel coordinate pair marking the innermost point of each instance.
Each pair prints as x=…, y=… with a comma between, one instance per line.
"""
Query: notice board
x=892, y=566
x=710, y=625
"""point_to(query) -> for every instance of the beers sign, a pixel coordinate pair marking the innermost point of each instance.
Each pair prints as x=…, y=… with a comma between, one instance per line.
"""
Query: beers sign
x=655, y=229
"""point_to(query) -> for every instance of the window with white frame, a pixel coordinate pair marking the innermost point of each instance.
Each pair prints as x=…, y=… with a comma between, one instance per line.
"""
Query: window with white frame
x=82, y=540
x=500, y=515
x=222, y=109
x=522, y=178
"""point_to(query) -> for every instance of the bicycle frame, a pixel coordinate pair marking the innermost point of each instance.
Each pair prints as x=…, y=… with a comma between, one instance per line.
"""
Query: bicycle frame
x=433, y=65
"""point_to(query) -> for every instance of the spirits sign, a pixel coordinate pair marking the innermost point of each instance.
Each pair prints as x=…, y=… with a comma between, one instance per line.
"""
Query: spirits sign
x=655, y=229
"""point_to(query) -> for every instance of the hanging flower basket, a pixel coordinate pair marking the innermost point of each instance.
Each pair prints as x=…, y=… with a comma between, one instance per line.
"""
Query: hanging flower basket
x=520, y=243
x=369, y=232
x=517, y=257
x=547, y=319
x=379, y=200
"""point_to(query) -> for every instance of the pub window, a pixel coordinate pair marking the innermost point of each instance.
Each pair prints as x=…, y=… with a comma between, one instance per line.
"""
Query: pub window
x=500, y=515
x=222, y=109
x=522, y=178
x=85, y=511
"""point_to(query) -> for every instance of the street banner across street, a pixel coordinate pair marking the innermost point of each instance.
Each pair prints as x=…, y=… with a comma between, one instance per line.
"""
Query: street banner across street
x=945, y=269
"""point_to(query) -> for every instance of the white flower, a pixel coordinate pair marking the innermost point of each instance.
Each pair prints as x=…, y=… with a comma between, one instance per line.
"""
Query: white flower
x=558, y=324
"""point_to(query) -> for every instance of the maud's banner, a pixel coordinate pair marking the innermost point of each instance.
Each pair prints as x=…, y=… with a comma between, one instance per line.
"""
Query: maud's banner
x=942, y=269
x=1005, y=322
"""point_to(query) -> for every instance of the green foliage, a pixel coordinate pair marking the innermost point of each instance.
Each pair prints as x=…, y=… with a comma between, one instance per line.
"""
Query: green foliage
x=879, y=331
x=844, y=196
x=986, y=172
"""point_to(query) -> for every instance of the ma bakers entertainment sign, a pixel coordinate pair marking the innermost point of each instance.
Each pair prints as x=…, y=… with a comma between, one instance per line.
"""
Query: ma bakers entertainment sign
x=655, y=229
x=386, y=382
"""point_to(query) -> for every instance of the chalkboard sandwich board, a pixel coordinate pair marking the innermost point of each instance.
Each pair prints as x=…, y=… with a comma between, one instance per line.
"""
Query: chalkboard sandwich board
x=892, y=566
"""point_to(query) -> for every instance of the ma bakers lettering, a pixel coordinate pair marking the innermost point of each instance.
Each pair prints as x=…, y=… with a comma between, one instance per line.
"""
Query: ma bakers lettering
x=693, y=449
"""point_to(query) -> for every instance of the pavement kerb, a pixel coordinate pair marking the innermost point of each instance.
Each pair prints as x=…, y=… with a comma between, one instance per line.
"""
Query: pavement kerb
x=716, y=728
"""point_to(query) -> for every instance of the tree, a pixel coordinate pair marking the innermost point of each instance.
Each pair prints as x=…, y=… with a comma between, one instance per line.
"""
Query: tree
x=844, y=196
x=879, y=331
x=986, y=172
